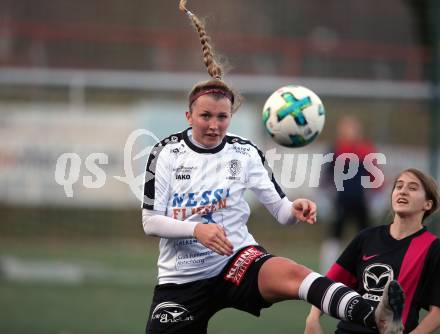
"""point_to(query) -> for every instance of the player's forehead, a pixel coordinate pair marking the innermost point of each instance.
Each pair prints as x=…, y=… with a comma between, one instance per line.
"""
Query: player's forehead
x=408, y=178
x=212, y=104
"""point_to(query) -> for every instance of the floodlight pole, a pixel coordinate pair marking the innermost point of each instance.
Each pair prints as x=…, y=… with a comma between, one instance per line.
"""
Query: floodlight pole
x=434, y=18
x=434, y=72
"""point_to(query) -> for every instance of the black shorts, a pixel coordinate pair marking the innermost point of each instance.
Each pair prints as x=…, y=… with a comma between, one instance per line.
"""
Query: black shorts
x=187, y=308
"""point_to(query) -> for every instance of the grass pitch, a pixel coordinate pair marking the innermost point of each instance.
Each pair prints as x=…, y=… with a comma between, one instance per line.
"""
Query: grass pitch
x=107, y=289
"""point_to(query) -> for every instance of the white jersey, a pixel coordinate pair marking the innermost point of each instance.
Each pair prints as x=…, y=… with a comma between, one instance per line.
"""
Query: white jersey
x=186, y=182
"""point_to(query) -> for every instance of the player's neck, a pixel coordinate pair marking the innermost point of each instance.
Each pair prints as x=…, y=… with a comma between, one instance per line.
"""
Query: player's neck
x=405, y=226
x=200, y=145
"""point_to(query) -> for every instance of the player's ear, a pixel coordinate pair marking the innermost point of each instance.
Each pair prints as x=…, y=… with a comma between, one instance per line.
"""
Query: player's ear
x=188, y=116
x=428, y=205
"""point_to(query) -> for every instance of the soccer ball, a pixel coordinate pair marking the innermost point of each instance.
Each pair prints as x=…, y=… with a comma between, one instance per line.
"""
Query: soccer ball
x=294, y=116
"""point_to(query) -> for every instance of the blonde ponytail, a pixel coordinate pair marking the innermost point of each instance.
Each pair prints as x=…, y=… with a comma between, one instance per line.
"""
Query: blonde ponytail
x=215, y=70
x=213, y=67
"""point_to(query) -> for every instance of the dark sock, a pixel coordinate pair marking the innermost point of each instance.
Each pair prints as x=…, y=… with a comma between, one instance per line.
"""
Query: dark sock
x=337, y=300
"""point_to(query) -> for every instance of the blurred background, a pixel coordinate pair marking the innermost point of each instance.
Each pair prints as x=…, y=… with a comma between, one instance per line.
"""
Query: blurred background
x=80, y=79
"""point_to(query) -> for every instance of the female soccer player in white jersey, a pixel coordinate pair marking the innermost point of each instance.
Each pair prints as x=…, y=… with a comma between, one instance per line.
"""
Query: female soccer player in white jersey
x=193, y=201
x=404, y=250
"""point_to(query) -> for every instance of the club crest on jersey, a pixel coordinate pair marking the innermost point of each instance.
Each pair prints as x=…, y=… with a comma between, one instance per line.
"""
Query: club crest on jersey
x=234, y=168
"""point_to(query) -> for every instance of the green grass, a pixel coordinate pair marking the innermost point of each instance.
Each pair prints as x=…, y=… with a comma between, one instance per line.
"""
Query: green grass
x=85, y=308
x=96, y=305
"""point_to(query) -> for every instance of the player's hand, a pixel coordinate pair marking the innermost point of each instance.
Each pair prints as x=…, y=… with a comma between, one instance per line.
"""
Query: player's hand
x=313, y=325
x=213, y=237
x=304, y=210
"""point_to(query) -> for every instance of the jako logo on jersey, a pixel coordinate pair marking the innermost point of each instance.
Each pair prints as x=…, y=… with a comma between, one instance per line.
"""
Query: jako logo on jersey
x=183, y=173
x=375, y=277
x=170, y=312
x=238, y=268
x=183, y=176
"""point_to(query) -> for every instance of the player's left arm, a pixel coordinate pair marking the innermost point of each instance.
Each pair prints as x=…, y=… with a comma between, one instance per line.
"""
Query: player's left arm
x=430, y=322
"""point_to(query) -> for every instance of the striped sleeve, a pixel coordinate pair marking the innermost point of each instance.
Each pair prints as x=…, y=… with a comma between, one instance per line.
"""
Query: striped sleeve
x=157, y=176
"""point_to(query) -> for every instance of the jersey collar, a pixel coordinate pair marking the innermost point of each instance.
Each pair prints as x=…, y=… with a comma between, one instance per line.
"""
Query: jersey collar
x=415, y=234
x=197, y=149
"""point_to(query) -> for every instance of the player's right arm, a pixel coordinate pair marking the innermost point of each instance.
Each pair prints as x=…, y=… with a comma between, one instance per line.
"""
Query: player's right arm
x=211, y=236
x=155, y=223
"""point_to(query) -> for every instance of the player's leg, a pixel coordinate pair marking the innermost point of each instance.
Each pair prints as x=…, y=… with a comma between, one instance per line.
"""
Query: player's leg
x=281, y=279
x=237, y=284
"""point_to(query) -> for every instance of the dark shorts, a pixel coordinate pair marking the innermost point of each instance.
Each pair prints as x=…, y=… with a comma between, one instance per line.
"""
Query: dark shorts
x=187, y=308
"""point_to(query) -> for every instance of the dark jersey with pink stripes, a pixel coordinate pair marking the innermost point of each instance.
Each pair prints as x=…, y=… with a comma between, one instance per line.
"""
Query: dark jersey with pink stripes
x=374, y=257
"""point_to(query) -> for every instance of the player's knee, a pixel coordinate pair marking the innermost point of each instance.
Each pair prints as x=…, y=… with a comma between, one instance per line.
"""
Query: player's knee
x=297, y=272
x=280, y=279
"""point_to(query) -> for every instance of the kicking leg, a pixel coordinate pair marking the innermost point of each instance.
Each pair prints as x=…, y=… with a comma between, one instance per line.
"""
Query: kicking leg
x=281, y=279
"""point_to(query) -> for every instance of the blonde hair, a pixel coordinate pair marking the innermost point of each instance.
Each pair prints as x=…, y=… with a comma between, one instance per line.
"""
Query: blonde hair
x=215, y=70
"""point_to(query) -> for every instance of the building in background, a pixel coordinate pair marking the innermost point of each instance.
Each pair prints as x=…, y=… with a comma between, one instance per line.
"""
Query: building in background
x=70, y=71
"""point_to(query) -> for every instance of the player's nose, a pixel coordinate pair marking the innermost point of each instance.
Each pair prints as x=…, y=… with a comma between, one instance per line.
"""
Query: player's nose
x=213, y=124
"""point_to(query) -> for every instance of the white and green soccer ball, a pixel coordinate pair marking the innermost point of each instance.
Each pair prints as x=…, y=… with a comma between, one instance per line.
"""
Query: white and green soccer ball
x=294, y=116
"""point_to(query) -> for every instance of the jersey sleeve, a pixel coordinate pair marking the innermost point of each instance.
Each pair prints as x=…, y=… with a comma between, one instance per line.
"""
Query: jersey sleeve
x=157, y=180
x=344, y=269
x=282, y=211
x=429, y=293
x=262, y=181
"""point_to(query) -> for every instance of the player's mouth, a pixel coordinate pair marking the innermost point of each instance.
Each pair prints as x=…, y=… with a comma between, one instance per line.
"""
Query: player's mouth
x=402, y=200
